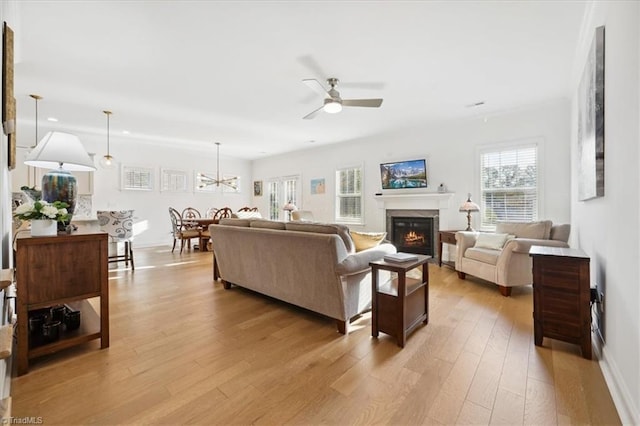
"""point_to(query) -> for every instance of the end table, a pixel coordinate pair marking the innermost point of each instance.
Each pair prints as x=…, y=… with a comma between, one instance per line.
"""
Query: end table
x=399, y=305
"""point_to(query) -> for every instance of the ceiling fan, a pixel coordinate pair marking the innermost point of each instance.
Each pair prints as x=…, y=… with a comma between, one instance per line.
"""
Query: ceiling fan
x=333, y=103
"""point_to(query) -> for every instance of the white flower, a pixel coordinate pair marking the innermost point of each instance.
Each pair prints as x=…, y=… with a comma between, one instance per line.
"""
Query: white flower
x=50, y=211
x=24, y=208
x=62, y=211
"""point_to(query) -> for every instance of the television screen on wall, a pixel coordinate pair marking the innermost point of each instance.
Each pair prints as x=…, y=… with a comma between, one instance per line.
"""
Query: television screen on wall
x=404, y=174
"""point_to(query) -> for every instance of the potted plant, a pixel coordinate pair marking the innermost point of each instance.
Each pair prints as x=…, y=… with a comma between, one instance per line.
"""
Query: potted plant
x=43, y=216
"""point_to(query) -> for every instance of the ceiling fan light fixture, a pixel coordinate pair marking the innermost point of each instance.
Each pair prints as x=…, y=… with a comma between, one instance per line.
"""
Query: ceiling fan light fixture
x=332, y=106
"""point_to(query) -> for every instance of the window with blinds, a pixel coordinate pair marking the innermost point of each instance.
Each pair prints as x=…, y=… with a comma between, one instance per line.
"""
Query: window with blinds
x=349, y=195
x=509, y=184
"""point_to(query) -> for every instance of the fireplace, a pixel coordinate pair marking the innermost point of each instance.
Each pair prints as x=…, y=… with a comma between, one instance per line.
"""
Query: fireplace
x=413, y=231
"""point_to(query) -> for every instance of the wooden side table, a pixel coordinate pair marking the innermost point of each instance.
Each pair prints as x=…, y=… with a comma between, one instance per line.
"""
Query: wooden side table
x=401, y=304
x=445, y=237
x=561, y=296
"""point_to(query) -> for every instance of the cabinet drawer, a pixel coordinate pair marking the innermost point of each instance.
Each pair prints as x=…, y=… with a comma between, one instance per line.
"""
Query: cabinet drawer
x=560, y=302
x=565, y=276
x=448, y=237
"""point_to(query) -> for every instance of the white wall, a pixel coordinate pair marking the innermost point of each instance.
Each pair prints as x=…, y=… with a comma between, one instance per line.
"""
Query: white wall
x=607, y=228
x=451, y=152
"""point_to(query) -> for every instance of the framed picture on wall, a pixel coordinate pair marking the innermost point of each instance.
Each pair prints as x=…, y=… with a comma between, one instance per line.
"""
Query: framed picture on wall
x=257, y=188
x=317, y=186
x=172, y=180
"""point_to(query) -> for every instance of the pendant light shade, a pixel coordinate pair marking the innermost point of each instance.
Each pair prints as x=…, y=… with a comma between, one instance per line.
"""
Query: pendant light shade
x=107, y=161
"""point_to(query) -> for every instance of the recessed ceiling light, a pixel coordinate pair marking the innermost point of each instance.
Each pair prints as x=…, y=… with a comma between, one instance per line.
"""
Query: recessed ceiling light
x=312, y=141
x=475, y=104
x=126, y=132
x=55, y=120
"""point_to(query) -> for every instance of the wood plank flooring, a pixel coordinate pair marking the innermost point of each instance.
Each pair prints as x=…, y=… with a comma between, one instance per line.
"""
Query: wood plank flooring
x=186, y=351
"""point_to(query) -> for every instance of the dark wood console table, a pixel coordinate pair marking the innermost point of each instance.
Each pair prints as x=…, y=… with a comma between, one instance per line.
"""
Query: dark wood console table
x=68, y=269
x=561, y=296
x=399, y=305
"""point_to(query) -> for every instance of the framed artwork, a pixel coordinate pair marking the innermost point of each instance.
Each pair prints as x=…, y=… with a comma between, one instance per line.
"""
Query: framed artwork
x=8, y=100
x=591, y=122
x=134, y=178
x=172, y=180
x=257, y=188
x=232, y=189
x=317, y=186
x=202, y=182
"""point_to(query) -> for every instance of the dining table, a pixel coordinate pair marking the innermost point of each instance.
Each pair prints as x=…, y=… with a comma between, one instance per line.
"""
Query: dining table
x=203, y=223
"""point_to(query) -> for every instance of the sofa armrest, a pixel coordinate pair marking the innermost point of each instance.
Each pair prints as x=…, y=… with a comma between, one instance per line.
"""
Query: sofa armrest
x=522, y=245
x=358, y=262
x=464, y=240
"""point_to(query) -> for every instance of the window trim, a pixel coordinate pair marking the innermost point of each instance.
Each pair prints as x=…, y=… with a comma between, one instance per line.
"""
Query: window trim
x=336, y=210
x=538, y=143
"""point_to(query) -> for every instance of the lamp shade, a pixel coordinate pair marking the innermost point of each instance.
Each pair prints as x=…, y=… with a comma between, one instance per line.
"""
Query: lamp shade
x=289, y=207
x=469, y=206
x=60, y=149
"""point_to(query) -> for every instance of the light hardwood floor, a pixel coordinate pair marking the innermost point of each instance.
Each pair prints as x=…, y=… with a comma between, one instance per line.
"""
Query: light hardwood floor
x=186, y=351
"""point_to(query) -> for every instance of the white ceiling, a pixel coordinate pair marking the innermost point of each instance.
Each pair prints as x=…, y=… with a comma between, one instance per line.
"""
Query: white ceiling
x=194, y=72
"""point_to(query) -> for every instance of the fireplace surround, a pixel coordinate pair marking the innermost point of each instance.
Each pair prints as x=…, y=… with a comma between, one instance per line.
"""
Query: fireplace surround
x=413, y=230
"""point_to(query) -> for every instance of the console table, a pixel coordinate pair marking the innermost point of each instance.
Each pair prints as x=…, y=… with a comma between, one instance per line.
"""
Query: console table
x=67, y=269
x=561, y=296
x=401, y=304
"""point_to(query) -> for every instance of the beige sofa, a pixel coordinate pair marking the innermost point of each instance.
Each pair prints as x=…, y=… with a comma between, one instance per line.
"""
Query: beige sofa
x=310, y=265
x=503, y=257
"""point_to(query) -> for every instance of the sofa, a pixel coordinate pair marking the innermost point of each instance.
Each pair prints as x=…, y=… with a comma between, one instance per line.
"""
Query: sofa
x=502, y=257
x=311, y=265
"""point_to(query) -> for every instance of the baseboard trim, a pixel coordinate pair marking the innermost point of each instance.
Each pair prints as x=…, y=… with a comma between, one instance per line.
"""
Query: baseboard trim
x=627, y=410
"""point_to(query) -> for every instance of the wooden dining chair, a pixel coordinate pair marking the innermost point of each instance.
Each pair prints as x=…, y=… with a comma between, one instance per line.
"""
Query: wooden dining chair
x=211, y=211
x=222, y=213
x=180, y=232
x=248, y=209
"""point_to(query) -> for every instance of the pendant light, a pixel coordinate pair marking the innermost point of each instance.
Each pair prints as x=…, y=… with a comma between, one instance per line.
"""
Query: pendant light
x=231, y=182
x=107, y=161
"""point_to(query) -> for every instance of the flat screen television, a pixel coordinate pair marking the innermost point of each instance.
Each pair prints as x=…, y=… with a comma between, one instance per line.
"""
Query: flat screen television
x=404, y=174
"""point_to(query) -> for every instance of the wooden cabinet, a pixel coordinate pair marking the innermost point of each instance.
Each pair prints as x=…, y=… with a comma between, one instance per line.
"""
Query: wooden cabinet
x=402, y=303
x=446, y=237
x=561, y=296
x=68, y=269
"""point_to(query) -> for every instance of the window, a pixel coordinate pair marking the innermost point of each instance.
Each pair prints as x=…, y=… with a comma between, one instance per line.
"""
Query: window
x=137, y=178
x=509, y=184
x=349, y=195
x=282, y=191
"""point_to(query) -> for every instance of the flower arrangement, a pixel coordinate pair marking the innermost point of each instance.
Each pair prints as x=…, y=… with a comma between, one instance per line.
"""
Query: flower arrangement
x=43, y=210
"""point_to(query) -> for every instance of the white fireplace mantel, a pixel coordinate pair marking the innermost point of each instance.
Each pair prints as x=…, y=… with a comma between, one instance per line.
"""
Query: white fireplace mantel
x=425, y=200
x=419, y=201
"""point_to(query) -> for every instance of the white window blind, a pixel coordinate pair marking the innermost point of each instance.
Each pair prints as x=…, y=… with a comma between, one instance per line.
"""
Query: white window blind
x=509, y=184
x=349, y=195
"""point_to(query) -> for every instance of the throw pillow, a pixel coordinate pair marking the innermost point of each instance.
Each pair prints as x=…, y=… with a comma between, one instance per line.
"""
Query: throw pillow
x=367, y=240
x=248, y=215
x=491, y=240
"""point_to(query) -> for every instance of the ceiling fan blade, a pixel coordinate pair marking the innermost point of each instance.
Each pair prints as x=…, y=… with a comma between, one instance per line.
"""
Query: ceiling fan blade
x=373, y=103
x=315, y=85
x=313, y=114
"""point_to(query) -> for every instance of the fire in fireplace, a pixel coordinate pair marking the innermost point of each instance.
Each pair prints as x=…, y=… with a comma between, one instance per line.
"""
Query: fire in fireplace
x=413, y=231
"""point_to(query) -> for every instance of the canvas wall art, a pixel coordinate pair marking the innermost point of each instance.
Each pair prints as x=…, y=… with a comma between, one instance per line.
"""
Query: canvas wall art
x=591, y=122
x=317, y=186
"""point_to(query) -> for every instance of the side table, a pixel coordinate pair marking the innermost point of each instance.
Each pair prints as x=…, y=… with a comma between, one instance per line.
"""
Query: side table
x=400, y=304
x=446, y=237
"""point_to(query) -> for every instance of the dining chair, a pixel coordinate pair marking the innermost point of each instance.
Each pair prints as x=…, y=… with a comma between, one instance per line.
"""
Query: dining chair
x=222, y=213
x=119, y=226
x=211, y=211
x=180, y=232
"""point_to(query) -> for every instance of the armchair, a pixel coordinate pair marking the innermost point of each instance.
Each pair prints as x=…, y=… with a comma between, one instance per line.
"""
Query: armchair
x=503, y=257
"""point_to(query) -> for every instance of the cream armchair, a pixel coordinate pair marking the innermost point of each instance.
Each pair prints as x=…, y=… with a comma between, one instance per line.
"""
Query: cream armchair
x=503, y=257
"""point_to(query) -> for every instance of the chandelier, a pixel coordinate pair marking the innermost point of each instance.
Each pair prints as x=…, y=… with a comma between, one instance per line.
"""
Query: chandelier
x=206, y=180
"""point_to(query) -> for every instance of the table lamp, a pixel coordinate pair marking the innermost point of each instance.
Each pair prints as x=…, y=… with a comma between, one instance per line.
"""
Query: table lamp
x=62, y=152
x=468, y=207
x=289, y=207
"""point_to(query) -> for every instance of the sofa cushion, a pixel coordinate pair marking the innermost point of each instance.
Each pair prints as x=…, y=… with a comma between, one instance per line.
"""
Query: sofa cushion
x=247, y=215
x=230, y=221
x=367, y=240
x=268, y=224
x=325, y=228
x=540, y=230
x=483, y=255
x=490, y=240
x=561, y=232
